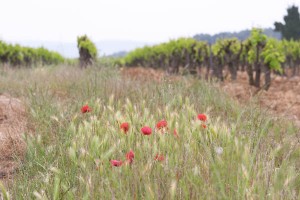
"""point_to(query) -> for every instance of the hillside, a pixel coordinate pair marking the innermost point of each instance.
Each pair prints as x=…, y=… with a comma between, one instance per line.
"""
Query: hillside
x=241, y=35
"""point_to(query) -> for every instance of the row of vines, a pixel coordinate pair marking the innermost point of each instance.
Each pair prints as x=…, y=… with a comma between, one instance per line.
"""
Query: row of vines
x=256, y=55
x=16, y=55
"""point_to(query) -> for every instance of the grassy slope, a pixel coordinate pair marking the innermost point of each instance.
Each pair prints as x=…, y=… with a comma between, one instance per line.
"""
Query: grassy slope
x=69, y=152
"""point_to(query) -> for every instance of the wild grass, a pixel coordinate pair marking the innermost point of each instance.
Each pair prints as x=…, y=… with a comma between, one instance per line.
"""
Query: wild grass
x=244, y=153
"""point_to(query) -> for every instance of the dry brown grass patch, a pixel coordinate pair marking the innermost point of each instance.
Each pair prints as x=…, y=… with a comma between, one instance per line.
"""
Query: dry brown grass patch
x=12, y=126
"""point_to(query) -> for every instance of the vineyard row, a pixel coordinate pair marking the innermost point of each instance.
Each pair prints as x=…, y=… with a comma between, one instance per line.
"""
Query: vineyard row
x=16, y=55
x=256, y=55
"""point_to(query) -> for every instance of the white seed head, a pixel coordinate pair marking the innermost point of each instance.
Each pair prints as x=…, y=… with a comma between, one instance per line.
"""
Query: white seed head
x=219, y=150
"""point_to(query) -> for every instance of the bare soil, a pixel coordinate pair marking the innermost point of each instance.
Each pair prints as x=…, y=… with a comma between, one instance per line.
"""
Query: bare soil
x=12, y=126
x=141, y=73
x=283, y=96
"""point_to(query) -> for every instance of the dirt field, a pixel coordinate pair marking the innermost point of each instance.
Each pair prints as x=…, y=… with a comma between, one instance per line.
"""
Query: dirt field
x=283, y=97
x=12, y=126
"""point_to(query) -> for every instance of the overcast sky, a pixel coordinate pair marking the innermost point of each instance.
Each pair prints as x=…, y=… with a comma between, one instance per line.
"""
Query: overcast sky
x=139, y=20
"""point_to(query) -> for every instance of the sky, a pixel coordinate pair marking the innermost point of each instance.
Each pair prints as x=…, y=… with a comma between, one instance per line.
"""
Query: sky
x=136, y=20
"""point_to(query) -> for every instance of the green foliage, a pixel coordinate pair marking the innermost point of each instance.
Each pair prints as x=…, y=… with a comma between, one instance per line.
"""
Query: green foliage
x=257, y=37
x=48, y=57
x=201, y=51
x=257, y=41
x=291, y=49
x=158, y=56
x=218, y=50
x=17, y=55
x=4, y=51
x=269, y=50
x=83, y=42
x=253, y=54
x=3, y=192
x=87, y=50
x=226, y=47
x=273, y=54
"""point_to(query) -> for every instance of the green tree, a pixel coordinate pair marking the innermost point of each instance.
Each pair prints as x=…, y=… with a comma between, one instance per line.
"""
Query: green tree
x=291, y=28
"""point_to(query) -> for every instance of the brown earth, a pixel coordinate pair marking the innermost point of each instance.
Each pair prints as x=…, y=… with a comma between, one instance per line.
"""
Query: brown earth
x=12, y=125
x=282, y=98
x=140, y=73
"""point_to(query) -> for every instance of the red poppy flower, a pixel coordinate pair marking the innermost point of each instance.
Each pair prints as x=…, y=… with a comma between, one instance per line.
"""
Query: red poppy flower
x=202, y=117
x=125, y=127
x=130, y=156
x=159, y=157
x=116, y=163
x=85, y=109
x=161, y=124
x=146, y=130
x=203, y=126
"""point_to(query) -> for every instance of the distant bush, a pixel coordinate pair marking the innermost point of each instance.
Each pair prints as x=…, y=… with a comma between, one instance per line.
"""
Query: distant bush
x=87, y=51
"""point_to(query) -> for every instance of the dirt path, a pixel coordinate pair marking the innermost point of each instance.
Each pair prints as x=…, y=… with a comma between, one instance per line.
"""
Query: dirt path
x=12, y=126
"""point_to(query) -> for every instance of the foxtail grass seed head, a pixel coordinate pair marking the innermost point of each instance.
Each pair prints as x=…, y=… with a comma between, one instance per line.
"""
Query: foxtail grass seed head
x=219, y=150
